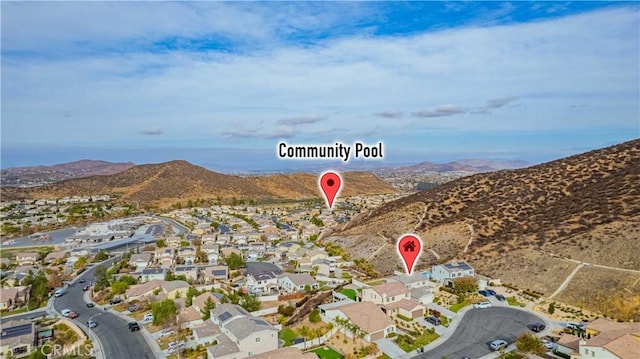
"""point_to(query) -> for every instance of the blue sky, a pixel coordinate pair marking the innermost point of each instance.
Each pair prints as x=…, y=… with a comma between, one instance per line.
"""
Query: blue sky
x=220, y=84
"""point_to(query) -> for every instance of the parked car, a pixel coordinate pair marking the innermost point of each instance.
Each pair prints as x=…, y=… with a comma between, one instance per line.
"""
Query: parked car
x=86, y=288
x=500, y=297
x=498, y=344
x=82, y=280
x=537, y=327
x=133, y=326
x=173, y=346
x=482, y=305
x=433, y=320
x=548, y=344
x=147, y=317
x=65, y=312
x=90, y=305
x=132, y=308
x=73, y=315
x=58, y=293
x=484, y=293
x=115, y=301
x=92, y=324
x=577, y=326
x=491, y=291
x=165, y=332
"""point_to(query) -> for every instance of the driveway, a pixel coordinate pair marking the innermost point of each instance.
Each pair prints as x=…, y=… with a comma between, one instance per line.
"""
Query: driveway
x=390, y=348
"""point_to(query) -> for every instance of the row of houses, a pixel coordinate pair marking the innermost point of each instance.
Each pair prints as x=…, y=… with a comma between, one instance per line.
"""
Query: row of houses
x=375, y=307
x=61, y=256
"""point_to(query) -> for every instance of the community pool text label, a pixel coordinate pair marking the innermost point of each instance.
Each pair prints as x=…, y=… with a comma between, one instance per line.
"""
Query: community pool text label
x=337, y=150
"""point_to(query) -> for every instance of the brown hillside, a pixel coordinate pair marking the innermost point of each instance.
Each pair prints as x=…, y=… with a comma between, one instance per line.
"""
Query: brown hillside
x=298, y=185
x=584, y=207
x=170, y=182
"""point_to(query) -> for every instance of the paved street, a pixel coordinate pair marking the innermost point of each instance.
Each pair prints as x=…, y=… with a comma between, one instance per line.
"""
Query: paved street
x=478, y=327
x=117, y=341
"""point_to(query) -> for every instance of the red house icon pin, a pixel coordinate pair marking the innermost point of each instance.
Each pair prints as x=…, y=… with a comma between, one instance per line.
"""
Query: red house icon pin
x=409, y=246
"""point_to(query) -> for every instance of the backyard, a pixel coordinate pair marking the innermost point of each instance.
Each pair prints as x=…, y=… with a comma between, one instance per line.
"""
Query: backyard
x=349, y=293
x=327, y=353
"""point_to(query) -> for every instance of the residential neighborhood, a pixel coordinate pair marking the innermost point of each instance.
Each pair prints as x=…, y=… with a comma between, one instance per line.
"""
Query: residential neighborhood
x=236, y=282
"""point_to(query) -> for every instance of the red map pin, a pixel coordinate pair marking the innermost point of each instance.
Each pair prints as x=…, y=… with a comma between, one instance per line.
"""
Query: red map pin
x=330, y=184
x=409, y=249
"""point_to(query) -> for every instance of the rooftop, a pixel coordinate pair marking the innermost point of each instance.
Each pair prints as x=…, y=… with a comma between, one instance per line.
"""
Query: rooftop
x=299, y=279
x=227, y=311
x=206, y=329
x=368, y=316
x=255, y=268
x=391, y=289
x=242, y=327
x=224, y=347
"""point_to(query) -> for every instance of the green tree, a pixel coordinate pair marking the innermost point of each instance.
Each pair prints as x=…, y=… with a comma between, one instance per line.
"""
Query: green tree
x=250, y=303
x=101, y=256
x=119, y=287
x=38, y=354
x=317, y=221
x=128, y=279
x=191, y=292
x=102, y=278
x=164, y=312
x=232, y=297
x=312, y=237
x=208, y=307
x=529, y=343
x=286, y=310
x=160, y=243
x=314, y=316
x=80, y=263
x=465, y=285
x=39, y=289
x=552, y=308
x=234, y=261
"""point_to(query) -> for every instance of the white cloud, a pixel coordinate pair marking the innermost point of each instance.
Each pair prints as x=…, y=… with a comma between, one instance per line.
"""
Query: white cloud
x=216, y=96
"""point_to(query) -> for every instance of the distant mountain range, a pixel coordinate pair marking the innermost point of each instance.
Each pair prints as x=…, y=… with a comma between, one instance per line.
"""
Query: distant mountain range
x=468, y=165
x=529, y=227
x=39, y=175
x=166, y=183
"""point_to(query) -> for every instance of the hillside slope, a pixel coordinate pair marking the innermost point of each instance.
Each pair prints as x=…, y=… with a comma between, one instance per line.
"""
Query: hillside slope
x=523, y=226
